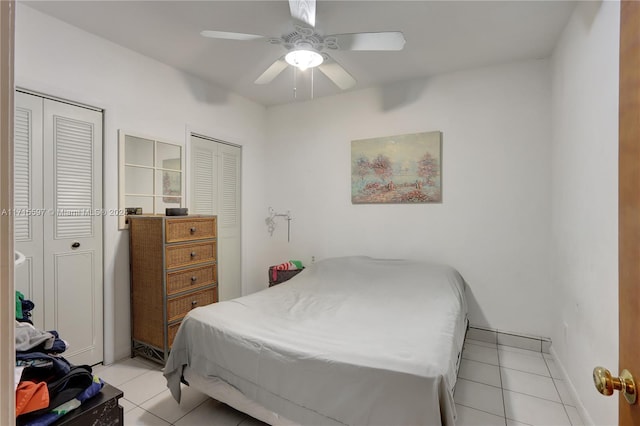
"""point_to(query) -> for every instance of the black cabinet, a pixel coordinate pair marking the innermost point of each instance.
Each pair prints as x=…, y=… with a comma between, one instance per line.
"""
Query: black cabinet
x=101, y=410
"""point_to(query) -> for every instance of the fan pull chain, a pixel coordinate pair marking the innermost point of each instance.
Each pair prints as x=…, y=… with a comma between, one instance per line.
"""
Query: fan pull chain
x=311, y=83
x=295, y=93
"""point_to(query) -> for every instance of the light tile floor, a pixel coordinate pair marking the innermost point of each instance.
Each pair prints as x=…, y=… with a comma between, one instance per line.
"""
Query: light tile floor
x=497, y=385
x=502, y=385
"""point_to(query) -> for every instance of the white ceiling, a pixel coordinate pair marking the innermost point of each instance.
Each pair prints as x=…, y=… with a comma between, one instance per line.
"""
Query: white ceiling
x=441, y=36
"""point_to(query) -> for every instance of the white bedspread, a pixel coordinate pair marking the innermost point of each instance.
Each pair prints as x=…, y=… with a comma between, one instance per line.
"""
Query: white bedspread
x=354, y=341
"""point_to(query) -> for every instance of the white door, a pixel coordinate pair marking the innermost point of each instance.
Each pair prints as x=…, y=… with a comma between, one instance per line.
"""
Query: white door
x=27, y=198
x=214, y=188
x=71, y=237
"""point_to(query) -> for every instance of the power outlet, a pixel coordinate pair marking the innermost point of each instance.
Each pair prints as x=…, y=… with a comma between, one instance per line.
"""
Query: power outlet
x=566, y=332
x=313, y=259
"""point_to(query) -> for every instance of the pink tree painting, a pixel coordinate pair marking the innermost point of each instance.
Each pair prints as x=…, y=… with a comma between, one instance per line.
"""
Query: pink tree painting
x=397, y=169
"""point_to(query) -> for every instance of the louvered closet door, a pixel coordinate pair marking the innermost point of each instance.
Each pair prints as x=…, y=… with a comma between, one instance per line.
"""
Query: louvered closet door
x=73, y=236
x=214, y=188
x=27, y=198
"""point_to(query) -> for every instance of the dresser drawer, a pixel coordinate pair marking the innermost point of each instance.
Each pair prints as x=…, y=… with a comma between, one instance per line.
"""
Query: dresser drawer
x=178, y=307
x=189, y=279
x=190, y=229
x=190, y=254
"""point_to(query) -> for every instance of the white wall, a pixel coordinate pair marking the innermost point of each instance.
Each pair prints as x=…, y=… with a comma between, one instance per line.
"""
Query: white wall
x=585, y=200
x=500, y=152
x=144, y=96
x=494, y=221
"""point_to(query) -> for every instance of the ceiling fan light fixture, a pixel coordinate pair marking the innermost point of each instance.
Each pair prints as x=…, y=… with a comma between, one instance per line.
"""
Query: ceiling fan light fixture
x=303, y=59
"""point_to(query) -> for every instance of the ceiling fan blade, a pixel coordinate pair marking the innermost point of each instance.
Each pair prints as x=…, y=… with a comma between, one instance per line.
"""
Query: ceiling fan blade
x=272, y=72
x=304, y=11
x=230, y=36
x=389, y=40
x=337, y=74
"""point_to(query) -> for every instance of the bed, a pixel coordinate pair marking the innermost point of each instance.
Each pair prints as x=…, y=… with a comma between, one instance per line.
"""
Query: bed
x=349, y=341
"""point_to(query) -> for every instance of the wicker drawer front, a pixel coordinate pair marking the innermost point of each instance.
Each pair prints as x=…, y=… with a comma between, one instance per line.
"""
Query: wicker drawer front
x=190, y=278
x=179, y=306
x=190, y=254
x=190, y=229
x=172, y=330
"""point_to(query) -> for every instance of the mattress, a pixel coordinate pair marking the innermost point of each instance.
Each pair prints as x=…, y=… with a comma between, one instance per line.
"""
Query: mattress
x=353, y=341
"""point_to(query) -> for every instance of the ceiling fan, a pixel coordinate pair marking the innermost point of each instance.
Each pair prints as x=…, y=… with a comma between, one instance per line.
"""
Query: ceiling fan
x=306, y=48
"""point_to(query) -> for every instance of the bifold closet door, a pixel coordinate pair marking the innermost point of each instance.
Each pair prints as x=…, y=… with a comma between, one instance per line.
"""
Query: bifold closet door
x=70, y=153
x=214, y=188
x=72, y=168
x=27, y=195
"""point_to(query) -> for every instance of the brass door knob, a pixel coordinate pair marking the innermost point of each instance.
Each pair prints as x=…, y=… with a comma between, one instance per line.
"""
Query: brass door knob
x=606, y=384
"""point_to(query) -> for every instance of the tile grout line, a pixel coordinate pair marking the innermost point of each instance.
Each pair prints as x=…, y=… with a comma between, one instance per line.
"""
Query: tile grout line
x=126, y=381
x=497, y=333
x=458, y=378
x=477, y=409
x=513, y=352
x=514, y=369
x=535, y=396
x=509, y=390
x=181, y=417
x=480, y=383
x=149, y=412
x=148, y=399
x=145, y=410
x=508, y=368
x=509, y=333
x=564, y=406
x=528, y=372
x=518, y=351
x=190, y=411
x=572, y=405
x=535, y=340
x=534, y=354
x=504, y=406
x=135, y=405
x=481, y=362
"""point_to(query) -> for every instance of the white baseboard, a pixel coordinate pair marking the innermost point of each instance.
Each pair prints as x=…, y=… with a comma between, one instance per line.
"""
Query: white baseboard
x=584, y=414
x=509, y=338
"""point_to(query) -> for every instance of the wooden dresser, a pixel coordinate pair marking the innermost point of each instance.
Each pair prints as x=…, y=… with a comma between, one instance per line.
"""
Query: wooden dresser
x=173, y=270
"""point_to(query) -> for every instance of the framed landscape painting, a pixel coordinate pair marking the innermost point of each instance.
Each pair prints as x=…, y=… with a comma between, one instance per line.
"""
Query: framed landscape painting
x=403, y=169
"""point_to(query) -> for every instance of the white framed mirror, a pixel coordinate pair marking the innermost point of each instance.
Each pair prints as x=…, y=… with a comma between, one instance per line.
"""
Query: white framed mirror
x=151, y=175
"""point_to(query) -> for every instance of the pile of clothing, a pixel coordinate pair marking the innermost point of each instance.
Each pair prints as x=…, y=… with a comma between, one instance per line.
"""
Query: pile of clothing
x=284, y=271
x=47, y=385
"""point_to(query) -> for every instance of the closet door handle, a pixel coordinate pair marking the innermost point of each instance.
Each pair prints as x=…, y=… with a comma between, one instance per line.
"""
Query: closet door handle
x=75, y=244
